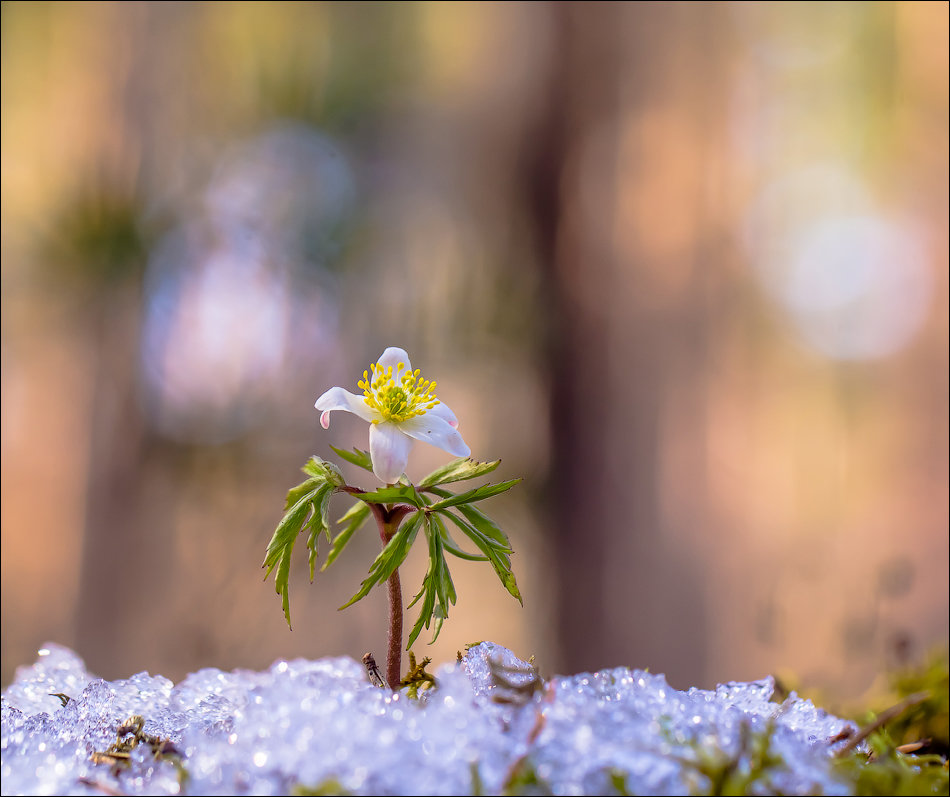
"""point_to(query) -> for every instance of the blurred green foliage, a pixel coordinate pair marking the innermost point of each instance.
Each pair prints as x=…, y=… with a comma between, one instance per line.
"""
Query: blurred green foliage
x=99, y=238
x=930, y=718
x=887, y=767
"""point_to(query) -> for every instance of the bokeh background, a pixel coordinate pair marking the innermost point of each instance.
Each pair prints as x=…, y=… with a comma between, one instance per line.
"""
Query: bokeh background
x=682, y=266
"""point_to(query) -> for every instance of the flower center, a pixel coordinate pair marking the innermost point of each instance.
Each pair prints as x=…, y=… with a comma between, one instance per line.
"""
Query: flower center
x=397, y=396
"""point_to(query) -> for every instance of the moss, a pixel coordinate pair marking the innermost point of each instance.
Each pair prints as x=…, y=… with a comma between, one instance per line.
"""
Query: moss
x=884, y=770
x=129, y=735
x=417, y=679
x=930, y=718
x=907, y=743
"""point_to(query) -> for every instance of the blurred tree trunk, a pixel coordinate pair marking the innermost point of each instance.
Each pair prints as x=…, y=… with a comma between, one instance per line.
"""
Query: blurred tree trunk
x=123, y=554
x=628, y=328
x=115, y=538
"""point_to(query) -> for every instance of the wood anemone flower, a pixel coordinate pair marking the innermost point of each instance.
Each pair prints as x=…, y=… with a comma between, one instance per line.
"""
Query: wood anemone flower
x=400, y=407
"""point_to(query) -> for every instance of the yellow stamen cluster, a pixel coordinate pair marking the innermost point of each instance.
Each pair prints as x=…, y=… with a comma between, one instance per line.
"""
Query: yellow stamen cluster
x=397, y=396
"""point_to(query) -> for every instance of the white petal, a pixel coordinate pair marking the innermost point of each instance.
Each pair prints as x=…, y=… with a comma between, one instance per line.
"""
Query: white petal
x=392, y=357
x=442, y=411
x=336, y=398
x=389, y=450
x=436, y=430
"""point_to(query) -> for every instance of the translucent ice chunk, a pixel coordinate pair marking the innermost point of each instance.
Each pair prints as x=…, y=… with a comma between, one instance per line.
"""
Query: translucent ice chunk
x=490, y=722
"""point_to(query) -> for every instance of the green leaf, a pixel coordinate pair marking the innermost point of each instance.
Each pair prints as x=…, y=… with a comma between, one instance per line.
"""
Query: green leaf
x=282, y=580
x=498, y=557
x=325, y=471
x=392, y=495
x=447, y=590
x=356, y=515
x=336, y=475
x=477, y=494
x=325, y=513
x=358, y=508
x=312, y=548
x=393, y=555
x=438, y=591
x=316, y=468
x=480, y=520
x=306, y=508
x=286, y=532
x=491, y=548
x=356, y=457
x=320, y=506
x=294, y=494
x=448, y=542
x=425, y=613
x=458, y=470
x=509, y=582
x=281, y=546
x=486, y=526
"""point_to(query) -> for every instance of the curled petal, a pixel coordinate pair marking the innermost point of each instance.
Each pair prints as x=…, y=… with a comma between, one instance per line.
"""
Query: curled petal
x=389, y=450
x=392, y=357
x=434, y=429
x=336, y=398
x=442, y=411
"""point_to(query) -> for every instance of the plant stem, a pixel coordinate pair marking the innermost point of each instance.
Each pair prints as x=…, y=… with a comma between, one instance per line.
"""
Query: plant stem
x=388, y=520
x=394, y=654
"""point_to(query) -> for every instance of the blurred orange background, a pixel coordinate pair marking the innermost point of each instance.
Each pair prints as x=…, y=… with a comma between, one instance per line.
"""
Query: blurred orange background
x=682, y=266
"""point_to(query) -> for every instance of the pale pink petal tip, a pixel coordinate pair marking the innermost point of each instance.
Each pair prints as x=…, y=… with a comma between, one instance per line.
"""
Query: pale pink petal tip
x=325, y=419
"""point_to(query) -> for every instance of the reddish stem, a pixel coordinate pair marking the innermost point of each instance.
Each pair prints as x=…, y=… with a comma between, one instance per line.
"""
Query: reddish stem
x=388, y=520
x=394, y=655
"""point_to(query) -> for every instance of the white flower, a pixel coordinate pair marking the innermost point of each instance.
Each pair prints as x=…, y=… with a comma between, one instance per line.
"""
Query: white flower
x=401, y=407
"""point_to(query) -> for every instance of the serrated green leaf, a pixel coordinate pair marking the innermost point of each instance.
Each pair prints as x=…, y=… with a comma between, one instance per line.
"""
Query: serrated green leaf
x=425, y=613
x=312, y=549
x=486, y=526
x=305, y=510
x=458, y=470
x=356, y=517
x=438, y=590
x=480, y=540
x=476, y=494
x=336, y=475
x=449, y=544
x=391, y=495
x=294, y=494
x=498, y=557
x=510, y=583
x=447, y=586
x=324, y=508
x=286, y=532
x=317, y=522
x=356, y=457
x=480, y=520
x=282, y=580
x=317, y=468
x=281, y=546
x=357, y=508
x=393, y=555
x=415, y=600
x=427, y=593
